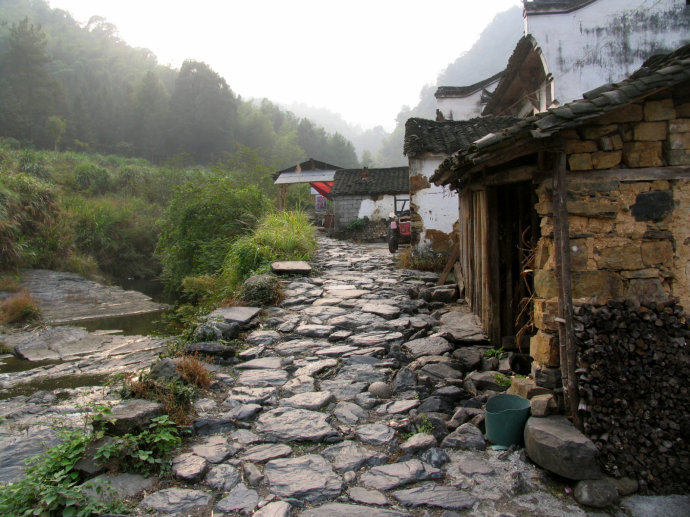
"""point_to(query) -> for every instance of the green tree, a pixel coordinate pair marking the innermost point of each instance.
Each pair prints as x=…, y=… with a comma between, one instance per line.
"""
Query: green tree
x=56, y=128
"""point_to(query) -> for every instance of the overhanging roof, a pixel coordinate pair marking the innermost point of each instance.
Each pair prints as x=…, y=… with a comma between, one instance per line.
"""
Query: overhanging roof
x=286, y=178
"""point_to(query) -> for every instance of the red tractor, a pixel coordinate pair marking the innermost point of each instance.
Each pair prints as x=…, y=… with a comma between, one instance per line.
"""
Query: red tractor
x=399, y=229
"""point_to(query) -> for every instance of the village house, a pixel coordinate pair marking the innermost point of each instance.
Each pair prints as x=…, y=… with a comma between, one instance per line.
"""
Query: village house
x=370, y=194
x=465, y=102
x=611, y=172
x=571, y=46
x=433, y=208
x=318, y=174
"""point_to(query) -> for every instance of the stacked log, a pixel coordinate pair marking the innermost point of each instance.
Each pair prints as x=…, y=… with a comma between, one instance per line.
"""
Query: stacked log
x=634, y=382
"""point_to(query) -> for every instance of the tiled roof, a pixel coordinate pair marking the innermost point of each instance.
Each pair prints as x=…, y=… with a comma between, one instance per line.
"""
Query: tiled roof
x=391, y=180
x=657, y=73
x=446, y=137
x=522, y=49
x=464, y=91
x=554, y=6
x=309, y=165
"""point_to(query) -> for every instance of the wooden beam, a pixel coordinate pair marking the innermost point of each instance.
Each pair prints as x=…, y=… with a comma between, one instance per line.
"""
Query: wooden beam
x=628, y=175
x=566, y=333
x=505, y=177
x=449, y=265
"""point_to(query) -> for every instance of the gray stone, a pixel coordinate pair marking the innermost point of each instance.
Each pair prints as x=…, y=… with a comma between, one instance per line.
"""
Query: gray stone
x=308, y=477
x=469, y=358
x=402, y=406
x=240, y=499
x=216, y=330
x=349, y=413
x=625, y=485
x=338, y=350
x=296, y=385
x=435, y=457
x=252, y=474
x=310, y=400
x=439, y=496
x=380, y=389
x=418, y=442
x=289, y=424
x=555, y=444
x=597, y=493
x=318, y=331
x=344, y=389
x=210, y=348
x=463, y=326
x=473, y=465
x=375, y=434
x=264, y=363
x=222, y=477
x=435, y=405
x=124, y=486
x=274, y=509
x=364, y=496
x=444, y=294
x=375, y=338
x=340, y=335
x=314, y=367
x=245, y=437
x=132, y=416
x=366, y=400
x=266, y=452
x=386, y=311
x=427, y=346
x=212, y=425
x=404, y=380
x=350, y=510
x=351, y=456
x=657, y=506
x=467, y=436
x=358, y=320
x=488, y=381
x=243, y=411
x=387, y=477
x=251, y=395
x=215, y=449
x=440, y=372
x=297, y=347
x=262, y=378
x=175, y=500
x=241, y=315
x=262, y=337
x=189, y=467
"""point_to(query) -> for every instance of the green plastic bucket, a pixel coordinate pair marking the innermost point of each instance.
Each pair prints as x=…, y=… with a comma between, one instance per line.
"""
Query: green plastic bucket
x=505, y=419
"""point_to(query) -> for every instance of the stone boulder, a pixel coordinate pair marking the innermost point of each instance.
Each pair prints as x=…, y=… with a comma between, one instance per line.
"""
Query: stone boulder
x=132, y=416
x=597, y=493
x=556, y=445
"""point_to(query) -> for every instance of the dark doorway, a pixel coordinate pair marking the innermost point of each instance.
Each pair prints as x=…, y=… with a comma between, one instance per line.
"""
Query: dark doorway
x=515, y=232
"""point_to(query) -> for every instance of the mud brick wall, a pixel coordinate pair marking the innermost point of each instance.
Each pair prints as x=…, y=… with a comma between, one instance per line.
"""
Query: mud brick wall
x=629, y=232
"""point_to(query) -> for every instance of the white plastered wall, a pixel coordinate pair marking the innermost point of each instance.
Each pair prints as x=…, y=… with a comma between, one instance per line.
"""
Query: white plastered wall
x=606, y=40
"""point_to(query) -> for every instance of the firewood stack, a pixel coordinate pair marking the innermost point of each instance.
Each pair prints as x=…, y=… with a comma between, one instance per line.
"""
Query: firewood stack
x=634, y=385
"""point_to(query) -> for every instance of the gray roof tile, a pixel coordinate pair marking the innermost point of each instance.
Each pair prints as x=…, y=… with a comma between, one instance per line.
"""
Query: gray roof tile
x=391, y=180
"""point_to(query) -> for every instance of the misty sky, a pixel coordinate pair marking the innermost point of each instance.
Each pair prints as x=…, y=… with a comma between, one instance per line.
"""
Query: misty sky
x=364, y=59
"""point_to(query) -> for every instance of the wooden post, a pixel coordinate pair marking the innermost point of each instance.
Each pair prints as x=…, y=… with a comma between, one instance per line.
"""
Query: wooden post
x=566, y=334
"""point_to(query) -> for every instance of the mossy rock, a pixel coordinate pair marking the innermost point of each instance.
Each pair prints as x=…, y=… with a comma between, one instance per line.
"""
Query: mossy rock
x=261, y=290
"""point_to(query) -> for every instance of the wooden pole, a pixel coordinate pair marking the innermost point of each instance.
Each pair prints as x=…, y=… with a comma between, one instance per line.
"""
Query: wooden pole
x=566, y=334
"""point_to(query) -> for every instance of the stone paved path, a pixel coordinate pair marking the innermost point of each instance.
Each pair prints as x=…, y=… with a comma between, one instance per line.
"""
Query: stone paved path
x=353, y=399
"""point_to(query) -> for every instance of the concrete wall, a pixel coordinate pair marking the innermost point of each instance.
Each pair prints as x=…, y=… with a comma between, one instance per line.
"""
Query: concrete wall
x=433, y=209
x=606, y=40
x=630, y=230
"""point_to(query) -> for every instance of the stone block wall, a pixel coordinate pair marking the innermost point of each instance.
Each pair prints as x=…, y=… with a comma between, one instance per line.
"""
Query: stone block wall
x=629, y=232
x=345, y=209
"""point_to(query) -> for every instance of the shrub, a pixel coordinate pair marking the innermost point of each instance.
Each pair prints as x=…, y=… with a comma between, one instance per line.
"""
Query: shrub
x=194, y=372
x=18, y=308
x=261, y=290
x=422, y=261
x=357, y=225
x=91, y=178
x=201, y=221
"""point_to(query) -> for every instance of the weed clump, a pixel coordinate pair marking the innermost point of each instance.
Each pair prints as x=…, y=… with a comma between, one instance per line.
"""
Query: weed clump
x=261, y=290
x=422, y=261
x=18, y=308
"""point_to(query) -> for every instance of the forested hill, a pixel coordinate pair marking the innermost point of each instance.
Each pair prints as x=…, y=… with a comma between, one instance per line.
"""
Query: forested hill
x=82, y=88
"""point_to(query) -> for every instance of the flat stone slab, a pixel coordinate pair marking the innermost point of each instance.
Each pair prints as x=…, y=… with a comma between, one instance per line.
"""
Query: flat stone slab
x=132, y=416
x=262, y=378
x=274, y=509
x=427, y=346
x=402, y=406
x=241, y=315
x=308, y=477
x=314, y=367
x=344, y=389
x=657, y=506
x=350, y=510
x=239, y=499
x=298, y=347
x=288, y=424
x=189, y=467
x=125, y=485
x=364, y=496
x=266, y=452
x=375, y=434
x=318, y=331
x=350, y=455
x=375, y=338
x=175, y=500
x=345, y=294
x=387, y=477
x=263, y=337
x=251, y=395
x=349, y=413
x=463, y=326
x=358, y=320
x=338, y=350
x=309, y=400
x=388, y=312
x=223, y=477
x=439, y=496
x=263, y=363
x=291, y=267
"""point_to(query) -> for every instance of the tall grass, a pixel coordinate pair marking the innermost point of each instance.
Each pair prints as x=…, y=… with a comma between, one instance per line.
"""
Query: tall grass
x=279, y=236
